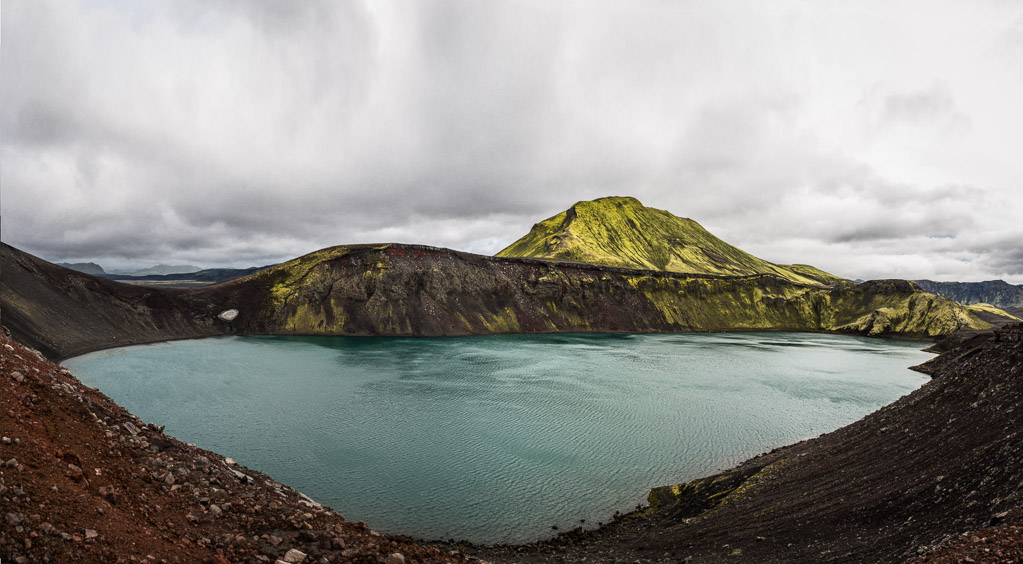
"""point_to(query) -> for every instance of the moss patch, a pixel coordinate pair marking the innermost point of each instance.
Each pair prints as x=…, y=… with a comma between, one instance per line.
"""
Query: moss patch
x=620, y=231
x=988, y=308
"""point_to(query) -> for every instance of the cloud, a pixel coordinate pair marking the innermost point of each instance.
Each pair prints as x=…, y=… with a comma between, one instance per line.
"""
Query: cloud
x=885, y=110
x=921, y=106
x=236, y=132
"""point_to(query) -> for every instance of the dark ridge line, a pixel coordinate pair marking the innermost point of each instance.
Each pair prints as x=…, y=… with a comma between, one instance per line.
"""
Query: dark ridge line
x=585, y=266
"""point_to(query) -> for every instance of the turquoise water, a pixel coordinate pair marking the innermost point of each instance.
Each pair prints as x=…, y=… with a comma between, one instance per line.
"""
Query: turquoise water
x=499, y=438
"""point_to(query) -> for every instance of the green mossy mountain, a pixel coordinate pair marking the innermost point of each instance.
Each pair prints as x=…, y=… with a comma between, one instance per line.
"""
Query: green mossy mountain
x=411, y=290
x=621, y=231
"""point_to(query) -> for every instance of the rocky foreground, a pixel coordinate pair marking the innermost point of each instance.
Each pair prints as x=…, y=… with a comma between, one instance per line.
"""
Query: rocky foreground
x=936, y=477
x=83, y=480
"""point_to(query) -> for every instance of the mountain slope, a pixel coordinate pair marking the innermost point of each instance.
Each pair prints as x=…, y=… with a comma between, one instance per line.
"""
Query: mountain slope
x=62, y=312
x=620, y=231
x=409, y=290
x=86, y=267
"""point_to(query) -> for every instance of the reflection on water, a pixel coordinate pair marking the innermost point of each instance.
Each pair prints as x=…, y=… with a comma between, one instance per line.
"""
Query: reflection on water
x=498, y=438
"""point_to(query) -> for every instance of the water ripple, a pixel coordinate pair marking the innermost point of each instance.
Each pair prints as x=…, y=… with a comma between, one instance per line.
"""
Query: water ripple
x=499, y=438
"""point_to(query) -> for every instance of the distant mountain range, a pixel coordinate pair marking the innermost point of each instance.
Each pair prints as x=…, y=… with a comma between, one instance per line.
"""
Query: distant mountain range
x=161, y=269
x=998, y=293
x=621, y=231
x=95, y=269
x=86, y=267
x=164, y=272
x=212, y=275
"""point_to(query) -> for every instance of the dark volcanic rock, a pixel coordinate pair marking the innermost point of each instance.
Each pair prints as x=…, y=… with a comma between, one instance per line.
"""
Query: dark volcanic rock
x=64, y=313
x=998, y=293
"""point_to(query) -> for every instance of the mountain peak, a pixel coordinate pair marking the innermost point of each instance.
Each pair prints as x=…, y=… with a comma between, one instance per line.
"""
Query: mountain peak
x=619, y=200
x=621, y=231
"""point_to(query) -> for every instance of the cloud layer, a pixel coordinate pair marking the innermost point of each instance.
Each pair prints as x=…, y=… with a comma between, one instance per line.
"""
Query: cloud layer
x=868, y=140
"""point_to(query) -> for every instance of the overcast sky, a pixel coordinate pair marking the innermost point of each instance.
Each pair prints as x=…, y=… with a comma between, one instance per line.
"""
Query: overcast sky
x=871, y=139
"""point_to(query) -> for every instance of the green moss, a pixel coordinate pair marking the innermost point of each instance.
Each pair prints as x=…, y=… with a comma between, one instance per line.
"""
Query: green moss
x=887, y=308
x=460, y=317
x=305, y=319
x=815, y=274
x=707, y=495
x=503, y=321
x=375, y=293
x=877, y=309
x=288, y=277
x=620, y=231
x=698, y=304
x=988, y=308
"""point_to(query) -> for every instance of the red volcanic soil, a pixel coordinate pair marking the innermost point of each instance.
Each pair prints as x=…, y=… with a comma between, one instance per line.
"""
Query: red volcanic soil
x=83, y=480
x=935, y=477
x=994, y=544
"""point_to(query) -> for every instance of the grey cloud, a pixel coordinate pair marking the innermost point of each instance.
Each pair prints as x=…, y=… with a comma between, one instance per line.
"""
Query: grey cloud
x=1008, y=260
x=1009, y=45
x=232, y=132
x=919, y=106
x=931, y=106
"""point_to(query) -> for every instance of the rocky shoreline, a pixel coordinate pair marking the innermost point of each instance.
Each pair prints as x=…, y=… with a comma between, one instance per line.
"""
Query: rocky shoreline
x=935, y=477
x=83, y=480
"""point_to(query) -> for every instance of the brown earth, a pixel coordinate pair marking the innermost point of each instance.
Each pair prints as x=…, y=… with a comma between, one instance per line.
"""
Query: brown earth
x=83, y=480
x=994, y=544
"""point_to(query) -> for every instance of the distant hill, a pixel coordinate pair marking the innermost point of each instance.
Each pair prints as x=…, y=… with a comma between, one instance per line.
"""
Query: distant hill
x=166, y=269
x=159, y=269
x=86, y=267
x=998, y=293
x=995, y=316
x=622, y=232
x=207, y=275
x=411, y=290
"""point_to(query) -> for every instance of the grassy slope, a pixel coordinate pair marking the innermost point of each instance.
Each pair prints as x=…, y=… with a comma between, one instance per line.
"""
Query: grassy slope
x=815, y=274
x=619, y=231
x=988, y=308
